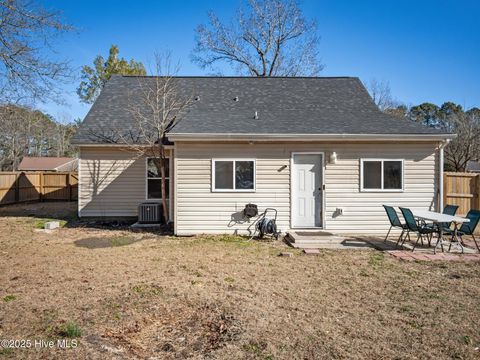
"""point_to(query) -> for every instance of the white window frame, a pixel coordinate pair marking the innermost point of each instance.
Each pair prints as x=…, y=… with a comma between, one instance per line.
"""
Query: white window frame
x=158, y=178
x=362, y=189
x=214, y=189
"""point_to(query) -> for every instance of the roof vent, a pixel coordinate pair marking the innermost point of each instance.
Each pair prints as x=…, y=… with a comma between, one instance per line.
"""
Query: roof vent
x=197, y=98
x=256, y=115
x=235, y=98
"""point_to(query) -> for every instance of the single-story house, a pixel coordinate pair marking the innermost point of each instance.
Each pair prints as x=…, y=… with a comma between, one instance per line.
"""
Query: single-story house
x=50, y=163
x=317, y=149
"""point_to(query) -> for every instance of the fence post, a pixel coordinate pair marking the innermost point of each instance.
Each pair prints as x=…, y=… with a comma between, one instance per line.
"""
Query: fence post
x=40, y=180
x=17, y=187
x=69, y=187
x=445, y=189
x=478, y=191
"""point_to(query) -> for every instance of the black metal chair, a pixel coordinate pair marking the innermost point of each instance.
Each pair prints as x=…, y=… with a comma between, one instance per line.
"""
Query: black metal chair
x=447, y=210
x=450, y=210
x=467, y=228
x=421, y=229
x=394, y=222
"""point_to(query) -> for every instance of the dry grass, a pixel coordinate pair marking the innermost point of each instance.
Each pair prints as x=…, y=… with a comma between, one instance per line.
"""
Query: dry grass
x=144, y=296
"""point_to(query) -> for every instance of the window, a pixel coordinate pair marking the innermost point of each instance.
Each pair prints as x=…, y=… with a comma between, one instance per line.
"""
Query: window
x=233, y=175
x=381, y=175
x=154, y=180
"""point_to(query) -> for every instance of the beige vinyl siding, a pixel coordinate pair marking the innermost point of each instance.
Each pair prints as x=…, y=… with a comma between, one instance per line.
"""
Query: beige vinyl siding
x=112, y=182
x=202, y=211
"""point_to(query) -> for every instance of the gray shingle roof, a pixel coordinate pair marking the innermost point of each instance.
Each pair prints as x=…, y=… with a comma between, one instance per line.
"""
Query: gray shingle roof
x=284, y=105
x=473, y=166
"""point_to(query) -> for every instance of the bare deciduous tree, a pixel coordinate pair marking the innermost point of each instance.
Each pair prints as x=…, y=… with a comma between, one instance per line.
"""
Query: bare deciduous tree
x=64, y=130
x=267, y=38
x=399, y=111
x=160, y=108
x=466, y=146
x=381, y=94
x=156, y=105
x=27, y=70
x=25, y=131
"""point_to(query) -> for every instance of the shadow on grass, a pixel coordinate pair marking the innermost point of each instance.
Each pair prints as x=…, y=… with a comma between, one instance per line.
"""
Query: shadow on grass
x=358, y=243
x=66, y=214
x=60, y=210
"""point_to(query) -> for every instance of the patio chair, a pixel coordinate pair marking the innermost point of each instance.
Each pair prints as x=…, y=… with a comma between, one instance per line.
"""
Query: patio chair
x=394, y=222
x=421, y=229
x=450, y=210
x=468, y=228
x=447, y=210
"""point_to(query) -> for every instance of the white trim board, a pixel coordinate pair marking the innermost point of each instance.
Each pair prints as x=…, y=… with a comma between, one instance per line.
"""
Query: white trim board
x=170, y=187
x=382, y=160
x=100, y=145
x=79, y=185
x=308, y=137
x=214, y=189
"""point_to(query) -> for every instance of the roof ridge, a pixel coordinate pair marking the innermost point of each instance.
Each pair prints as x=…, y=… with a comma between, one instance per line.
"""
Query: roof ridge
x=238, y=77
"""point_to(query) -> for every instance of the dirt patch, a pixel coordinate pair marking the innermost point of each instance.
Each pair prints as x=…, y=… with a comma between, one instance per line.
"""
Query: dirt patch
x=106, y=242
x=181, y=331
x=224, y=297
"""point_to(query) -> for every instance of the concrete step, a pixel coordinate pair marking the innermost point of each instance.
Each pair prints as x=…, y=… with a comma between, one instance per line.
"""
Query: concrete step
x=315, y=241
x=324, y=242
x=315, y=246
x=313, y=238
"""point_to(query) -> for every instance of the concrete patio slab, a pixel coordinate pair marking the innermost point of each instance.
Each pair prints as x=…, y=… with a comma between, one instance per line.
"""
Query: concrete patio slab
x=324, y=240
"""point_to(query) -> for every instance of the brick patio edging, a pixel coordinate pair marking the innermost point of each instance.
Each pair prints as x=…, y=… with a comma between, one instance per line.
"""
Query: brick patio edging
x=412, y=256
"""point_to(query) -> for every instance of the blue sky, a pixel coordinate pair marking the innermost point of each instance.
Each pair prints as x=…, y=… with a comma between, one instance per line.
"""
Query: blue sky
x=427, y=50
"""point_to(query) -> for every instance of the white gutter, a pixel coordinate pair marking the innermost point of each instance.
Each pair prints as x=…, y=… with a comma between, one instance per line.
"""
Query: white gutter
x=440, y=171
x=116, y=145
x=308, y=137
x=174, y=177
x=79, y=183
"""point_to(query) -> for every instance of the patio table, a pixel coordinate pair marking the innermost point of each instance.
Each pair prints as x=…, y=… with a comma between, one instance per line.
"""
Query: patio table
x=439, y=218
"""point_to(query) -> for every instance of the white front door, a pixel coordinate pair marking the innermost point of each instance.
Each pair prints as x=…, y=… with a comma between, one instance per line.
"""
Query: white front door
x=307, y=190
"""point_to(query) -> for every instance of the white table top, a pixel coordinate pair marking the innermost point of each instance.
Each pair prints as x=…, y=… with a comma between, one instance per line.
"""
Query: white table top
x=438, y=217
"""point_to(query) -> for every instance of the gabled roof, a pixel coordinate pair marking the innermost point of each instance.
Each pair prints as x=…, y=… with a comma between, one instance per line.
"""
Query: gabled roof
x=285, y=106
x=34, y=163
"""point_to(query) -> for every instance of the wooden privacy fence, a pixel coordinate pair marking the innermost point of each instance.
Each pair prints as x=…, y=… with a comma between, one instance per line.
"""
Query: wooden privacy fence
x=462, y=189
x=37, y=186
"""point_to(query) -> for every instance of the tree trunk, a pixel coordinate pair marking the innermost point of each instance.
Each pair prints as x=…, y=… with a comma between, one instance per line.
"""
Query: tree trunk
x=164, y=185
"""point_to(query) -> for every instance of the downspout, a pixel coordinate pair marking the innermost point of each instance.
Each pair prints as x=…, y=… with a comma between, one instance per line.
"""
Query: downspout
x=173, y=154
x=441, y=147
x=79, y=182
